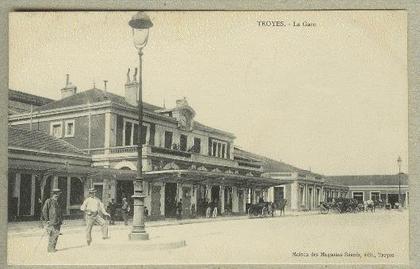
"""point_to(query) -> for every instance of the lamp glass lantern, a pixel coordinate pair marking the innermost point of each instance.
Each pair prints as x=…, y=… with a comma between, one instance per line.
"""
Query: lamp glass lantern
x=140, y=24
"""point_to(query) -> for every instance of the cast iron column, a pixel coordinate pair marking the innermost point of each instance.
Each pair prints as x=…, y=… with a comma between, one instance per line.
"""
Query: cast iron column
x=138, y=231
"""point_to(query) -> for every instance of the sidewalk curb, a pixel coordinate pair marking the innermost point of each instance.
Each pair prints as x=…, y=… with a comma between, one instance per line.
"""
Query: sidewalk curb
x=152, y=224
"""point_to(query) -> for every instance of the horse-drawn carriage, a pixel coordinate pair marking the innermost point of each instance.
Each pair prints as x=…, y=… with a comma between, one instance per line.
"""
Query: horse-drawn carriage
x=266, y=209
x=341, y=205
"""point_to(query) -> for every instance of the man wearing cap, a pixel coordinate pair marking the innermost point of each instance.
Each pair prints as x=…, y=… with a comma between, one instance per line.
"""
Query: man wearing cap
x=52, y=214
x=92, y=206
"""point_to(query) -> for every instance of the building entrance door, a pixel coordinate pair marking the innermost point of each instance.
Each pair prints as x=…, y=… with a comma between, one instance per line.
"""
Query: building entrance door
x=155, y=202
x=215, y=195
x=228, y=199
x=25, y=194
x=125, y=189
x=170, y=200
x=241, y=201
x=38, y=202
x=278, y=195
x=392, y=199
x=186, y=201
x=310, y=200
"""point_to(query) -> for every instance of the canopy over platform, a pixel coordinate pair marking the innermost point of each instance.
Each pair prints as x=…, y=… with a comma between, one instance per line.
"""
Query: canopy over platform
x=206, y=177
x=177, y=176
x=73, y=170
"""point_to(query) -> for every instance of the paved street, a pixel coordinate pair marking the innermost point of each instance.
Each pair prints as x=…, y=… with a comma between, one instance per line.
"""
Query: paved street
x=380, y=237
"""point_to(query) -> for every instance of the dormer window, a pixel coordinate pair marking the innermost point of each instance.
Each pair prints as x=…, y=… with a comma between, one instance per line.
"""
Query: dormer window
x=56, y=129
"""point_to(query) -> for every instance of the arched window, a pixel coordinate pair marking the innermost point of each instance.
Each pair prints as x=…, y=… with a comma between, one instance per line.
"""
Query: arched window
x=76, y=191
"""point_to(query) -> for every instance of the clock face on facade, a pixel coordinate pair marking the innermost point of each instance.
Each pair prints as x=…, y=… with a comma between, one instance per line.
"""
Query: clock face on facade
x=185, y=120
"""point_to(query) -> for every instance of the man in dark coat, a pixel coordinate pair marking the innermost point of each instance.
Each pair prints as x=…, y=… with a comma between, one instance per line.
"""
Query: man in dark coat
x=112, y=208
x=179, y=209
x=52, y=214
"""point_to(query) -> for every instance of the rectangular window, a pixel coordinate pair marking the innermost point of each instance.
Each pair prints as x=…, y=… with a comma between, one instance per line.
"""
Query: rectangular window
x=183, y=142
x=131, y=135
x=214, y=148
x=56, y=129
x=168, y=140
x=358, y=196
x=143, y=135
x=218, y=148
x=128, y=133
x=135, y=134
x=69, y=128
x=375, y=195
x=383, y=197
x=197, y=145
x=223, y=151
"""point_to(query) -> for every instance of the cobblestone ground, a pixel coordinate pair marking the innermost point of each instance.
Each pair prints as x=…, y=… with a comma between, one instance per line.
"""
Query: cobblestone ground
x=380, y=237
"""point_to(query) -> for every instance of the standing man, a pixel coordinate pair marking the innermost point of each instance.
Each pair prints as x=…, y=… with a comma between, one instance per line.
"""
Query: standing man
x=112, y=207
x=92, y=206
x=179, y=209
x=125, y=209
x=52, y=214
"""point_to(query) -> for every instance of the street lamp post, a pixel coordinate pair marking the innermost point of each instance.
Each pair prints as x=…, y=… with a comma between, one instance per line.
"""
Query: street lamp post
x=140, y=24
x=399, y=179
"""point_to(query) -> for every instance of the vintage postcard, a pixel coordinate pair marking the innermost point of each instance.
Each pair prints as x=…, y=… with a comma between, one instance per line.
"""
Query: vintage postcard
x=266, y=138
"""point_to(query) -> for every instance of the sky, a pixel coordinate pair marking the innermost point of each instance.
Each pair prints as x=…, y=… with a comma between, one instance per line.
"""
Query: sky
x=330, y=98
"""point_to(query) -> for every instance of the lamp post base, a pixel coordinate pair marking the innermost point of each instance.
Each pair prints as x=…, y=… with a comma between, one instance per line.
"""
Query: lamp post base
x=138, y=236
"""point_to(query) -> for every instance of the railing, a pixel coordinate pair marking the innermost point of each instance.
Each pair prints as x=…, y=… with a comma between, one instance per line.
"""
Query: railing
x=247, y=164
x=175, y=154
x=123, y=149
x=170, y=152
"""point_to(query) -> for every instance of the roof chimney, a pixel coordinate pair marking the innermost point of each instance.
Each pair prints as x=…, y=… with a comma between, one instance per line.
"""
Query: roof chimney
x=105, y=82
x=131, y=89
x=181, y=102
x=69, y=89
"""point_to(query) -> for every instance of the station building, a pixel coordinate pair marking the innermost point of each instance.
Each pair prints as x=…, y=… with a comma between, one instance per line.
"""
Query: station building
x=89, y=139
x=182, y=158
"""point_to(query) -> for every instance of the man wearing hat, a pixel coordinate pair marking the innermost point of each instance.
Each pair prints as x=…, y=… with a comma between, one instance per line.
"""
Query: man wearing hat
x=52, y=214
x=92, y=206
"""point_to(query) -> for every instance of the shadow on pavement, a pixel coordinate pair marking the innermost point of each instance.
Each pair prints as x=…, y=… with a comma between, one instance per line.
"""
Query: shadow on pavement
x=67, y=248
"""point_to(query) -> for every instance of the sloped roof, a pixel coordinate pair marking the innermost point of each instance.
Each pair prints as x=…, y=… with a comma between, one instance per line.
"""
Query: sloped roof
x=366, y=180
x=28, y=98
x=92, y=96
x=201, y=126
x=21, y=102
x=96, y=95
x=38, y=140
x=269, y=165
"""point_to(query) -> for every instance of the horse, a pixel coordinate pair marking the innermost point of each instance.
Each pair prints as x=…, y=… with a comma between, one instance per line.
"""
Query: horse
x=369, y=204
x=281, y=205
x=324, y=207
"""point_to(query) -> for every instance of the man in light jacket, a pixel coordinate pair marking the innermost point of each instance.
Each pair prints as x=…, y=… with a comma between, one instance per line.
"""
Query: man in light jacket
x=92, y=206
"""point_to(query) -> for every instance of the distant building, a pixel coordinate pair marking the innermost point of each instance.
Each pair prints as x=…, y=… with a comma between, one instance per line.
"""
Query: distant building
x=386, y=188
x=306, y=189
